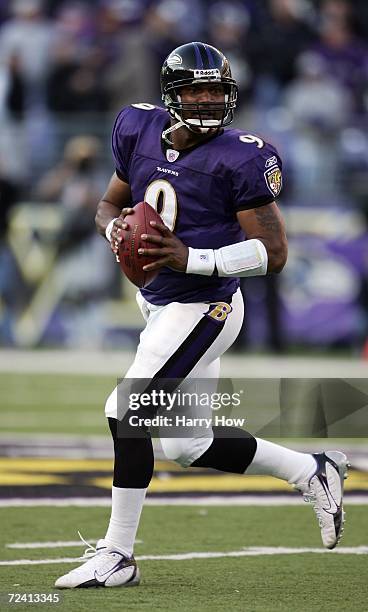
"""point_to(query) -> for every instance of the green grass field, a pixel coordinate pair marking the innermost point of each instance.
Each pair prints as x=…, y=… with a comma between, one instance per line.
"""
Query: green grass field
x=46, y=403
x=308, y=581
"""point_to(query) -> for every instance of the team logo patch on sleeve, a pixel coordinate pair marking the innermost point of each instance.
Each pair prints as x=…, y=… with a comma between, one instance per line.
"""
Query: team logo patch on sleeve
x=273, y=178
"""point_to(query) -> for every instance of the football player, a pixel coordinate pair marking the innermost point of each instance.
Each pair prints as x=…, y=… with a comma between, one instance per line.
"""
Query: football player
x=215, y=189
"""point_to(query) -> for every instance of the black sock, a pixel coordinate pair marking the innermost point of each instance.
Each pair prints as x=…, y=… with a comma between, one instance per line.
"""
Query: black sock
x=232, y=450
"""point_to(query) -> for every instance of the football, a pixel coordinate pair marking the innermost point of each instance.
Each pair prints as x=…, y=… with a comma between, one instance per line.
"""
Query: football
x=131, y=262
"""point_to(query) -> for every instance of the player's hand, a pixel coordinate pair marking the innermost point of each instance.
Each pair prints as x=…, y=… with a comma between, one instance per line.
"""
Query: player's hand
x=117, y=236
x=170, y=251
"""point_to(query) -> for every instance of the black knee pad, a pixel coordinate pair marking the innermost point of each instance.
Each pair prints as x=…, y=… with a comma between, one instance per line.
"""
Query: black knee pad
x=133, y=465
x=232, y=450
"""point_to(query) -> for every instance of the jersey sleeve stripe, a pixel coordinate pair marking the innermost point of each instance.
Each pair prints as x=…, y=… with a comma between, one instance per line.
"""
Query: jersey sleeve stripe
x=120, y=175
x=256, y=203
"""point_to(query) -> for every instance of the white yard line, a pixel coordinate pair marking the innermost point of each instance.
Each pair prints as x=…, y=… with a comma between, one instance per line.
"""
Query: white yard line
x=253, y=551
x=203, y=500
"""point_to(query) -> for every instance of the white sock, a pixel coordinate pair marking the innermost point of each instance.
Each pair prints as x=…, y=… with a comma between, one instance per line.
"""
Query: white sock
x=126, y=510
x=281, y=462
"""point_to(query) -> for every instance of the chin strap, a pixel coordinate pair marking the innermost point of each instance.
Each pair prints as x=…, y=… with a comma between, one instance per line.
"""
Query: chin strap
x=174, y=127
x=180, y=123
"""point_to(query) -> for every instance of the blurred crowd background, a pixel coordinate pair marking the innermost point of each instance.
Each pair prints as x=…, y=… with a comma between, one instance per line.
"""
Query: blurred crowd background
x=68, y=66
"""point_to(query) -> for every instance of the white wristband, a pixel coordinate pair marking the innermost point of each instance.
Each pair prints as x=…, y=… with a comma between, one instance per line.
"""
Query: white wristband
x=246, y=258
x=201, y=261
x=108, y=229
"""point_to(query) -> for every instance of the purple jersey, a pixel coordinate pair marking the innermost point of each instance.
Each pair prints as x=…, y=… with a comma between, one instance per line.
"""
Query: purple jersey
x=197, y=191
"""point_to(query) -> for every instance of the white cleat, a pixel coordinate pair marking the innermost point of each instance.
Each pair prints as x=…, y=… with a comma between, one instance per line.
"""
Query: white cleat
x=106, y=567
x=325, y=491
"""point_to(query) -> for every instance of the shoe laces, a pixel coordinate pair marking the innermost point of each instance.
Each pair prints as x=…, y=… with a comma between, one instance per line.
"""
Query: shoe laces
x=310, y=498
x=90, y=552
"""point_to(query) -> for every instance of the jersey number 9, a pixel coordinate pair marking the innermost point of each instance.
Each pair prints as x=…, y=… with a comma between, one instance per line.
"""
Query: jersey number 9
x=161, y=190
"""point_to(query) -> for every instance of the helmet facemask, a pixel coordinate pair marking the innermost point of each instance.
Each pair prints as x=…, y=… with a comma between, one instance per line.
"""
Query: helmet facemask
x=206, y=115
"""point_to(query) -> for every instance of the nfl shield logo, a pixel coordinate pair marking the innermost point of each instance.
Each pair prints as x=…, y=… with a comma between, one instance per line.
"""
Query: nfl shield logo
x=172, y=155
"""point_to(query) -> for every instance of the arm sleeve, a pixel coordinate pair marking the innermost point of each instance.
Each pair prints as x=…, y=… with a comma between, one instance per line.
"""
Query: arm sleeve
x=258, y=181
x=124, y=138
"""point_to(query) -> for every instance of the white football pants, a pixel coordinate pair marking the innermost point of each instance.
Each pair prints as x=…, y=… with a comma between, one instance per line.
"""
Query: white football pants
x=181, y=340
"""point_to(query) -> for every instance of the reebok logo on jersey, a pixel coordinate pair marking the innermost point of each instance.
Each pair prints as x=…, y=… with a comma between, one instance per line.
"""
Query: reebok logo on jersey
x=167, y=171
x=271, y=161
